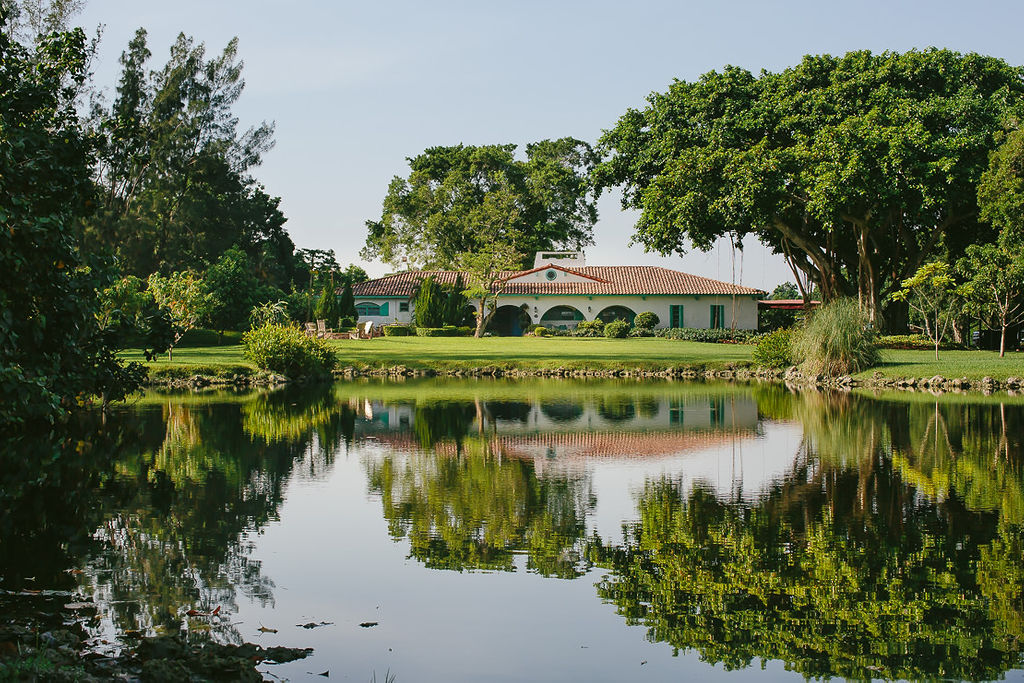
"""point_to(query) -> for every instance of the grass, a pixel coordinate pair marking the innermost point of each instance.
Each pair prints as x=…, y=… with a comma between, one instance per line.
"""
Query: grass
x=534, y=353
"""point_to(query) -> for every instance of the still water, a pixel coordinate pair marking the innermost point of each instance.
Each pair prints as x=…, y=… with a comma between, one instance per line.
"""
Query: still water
x=546, y=530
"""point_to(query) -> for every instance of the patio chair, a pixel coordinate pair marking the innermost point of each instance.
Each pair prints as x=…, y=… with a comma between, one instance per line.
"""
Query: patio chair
x=321, y=328
x=310, y=329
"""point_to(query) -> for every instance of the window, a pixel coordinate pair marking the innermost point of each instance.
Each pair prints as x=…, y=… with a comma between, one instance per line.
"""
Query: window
x=717, y=316
x=675, y=410
x=676, y=316
x=551, y=275
x=403, y=306
x=367, y=308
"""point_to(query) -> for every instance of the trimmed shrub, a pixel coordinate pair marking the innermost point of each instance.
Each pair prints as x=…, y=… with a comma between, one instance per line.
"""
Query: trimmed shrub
x=589, y=328
x=774, y=349
x=540, y=331
x=287, y=350
x=698, y=334
x=397, y=331
x=912, y=341
x=616, y=329
x=642, y=332
x=836, y=340
x=647, y=320
x=446, y=331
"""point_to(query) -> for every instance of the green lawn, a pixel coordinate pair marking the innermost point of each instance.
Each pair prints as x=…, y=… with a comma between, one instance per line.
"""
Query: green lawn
x=444, y=353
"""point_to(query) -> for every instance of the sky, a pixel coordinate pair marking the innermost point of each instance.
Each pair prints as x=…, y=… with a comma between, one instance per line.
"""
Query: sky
x=356, y=88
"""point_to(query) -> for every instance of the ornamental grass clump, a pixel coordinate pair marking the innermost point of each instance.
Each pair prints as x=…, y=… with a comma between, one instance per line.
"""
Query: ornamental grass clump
x=836, y=340
x=289, y=351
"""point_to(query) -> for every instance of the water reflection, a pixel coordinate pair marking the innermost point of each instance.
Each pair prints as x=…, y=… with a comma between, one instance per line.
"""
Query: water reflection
x=876, y=537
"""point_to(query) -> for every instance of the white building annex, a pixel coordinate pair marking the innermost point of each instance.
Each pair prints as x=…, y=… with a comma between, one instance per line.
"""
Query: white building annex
x=561, y=290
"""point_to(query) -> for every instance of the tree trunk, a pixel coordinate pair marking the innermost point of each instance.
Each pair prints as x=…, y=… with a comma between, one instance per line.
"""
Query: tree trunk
x=1002, y=342
x=481, y=319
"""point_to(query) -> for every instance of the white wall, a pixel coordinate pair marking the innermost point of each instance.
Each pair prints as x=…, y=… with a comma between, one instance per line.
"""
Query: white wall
x=696, y=309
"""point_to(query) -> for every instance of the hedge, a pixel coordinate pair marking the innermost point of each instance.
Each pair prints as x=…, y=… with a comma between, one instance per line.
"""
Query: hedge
x=398, y=330
x=698, y=334
x=446, y=331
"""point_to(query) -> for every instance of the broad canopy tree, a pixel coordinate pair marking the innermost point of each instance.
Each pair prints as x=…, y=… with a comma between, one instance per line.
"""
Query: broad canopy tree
x=433, y=216
x=856, y=168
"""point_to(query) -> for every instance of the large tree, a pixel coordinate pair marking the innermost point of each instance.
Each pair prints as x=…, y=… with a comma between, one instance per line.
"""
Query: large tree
x=174, y=167
x=430, y=217
x=856, y=168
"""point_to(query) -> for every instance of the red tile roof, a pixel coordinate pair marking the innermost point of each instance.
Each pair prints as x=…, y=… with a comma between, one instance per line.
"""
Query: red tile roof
x=624, y=280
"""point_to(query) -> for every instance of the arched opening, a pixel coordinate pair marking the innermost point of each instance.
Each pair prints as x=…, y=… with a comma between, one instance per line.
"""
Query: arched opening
x=562, y=318
x=509, y=321
x=365, y=308
x=617, y=313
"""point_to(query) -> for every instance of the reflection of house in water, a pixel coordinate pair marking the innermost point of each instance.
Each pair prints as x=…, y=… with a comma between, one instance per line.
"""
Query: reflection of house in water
x=605, y=425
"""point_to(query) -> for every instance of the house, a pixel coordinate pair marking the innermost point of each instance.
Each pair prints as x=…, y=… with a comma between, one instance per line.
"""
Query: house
x=560, y=291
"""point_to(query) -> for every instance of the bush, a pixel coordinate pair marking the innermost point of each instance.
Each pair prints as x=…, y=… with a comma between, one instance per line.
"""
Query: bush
x=774, y=349
x=616, y=329
x=446, y=331
x=647, y=320
x=912, y=341
x=836, y=340
x=589, y=328
x=540, y=331
x=397, y=330
x=642, y=332
x=287, y=350
x=709, y=336
x=346, y=323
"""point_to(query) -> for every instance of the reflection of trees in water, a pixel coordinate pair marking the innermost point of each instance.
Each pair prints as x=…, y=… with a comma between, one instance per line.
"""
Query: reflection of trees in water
x=476, y=510
x=562, y=411
x=437, y=422
x=844, y=568
x=510, y=411
x=617, y=408
x=167, y=497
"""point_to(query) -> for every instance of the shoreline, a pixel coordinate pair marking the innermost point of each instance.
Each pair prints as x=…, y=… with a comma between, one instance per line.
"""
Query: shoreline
x=789, y=376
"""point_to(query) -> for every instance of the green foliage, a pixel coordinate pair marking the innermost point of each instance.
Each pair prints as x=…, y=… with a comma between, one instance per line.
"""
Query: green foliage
x=486, y=266
x=589, y=328
x=438, y=212
x=234, y=289
x=55, y=349
x=772, y=319
x=857, y=165
x=287, y=350
x=616, y=329
x=269, y=313
x=836, y=340
x=347, y=304
x=646, y=320
x=445, y=331
x=706, y=335
x=773, y=350
x=397, y=330
x=1001, y=190
x=934, y=299
x=429, y=304
x=910, y=341
x=173, y=170
x=327, y=306
x=540, y=331
x=186, y=299
x=994, y=287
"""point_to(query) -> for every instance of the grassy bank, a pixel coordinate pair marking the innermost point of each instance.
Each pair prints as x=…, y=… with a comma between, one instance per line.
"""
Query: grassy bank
x=529, y=353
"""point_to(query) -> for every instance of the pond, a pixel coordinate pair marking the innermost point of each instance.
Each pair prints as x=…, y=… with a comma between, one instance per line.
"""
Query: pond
x=449, y=530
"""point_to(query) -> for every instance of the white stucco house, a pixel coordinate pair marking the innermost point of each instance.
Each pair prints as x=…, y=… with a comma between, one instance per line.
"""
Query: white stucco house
x=561, y=290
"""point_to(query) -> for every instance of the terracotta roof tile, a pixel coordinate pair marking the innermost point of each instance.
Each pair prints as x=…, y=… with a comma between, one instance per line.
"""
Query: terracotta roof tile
x=642, y=280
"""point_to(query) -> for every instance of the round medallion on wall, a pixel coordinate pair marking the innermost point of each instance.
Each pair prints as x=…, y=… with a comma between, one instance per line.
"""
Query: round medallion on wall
x=551, y=275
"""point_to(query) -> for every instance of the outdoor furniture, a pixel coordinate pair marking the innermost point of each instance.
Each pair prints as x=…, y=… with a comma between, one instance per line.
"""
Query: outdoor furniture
x=363, y=331
x=310, y=329
x=321, y=328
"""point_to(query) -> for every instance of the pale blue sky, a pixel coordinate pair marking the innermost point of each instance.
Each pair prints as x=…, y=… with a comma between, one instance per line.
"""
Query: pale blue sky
x=356, y=88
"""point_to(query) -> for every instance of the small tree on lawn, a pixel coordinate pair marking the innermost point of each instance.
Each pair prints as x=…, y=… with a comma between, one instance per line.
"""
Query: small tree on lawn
x=186, y=299
x=485, y=269
x=347, y=304
x=429, y=304
x=995, y=285
x=933, y=296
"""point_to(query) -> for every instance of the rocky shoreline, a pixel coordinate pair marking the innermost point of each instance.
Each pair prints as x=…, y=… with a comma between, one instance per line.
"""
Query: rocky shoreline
x=792, y=376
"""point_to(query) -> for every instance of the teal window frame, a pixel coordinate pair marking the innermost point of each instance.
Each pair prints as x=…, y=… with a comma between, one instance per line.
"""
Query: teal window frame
x=675, y=315
x=717, y=316
x=366, y=308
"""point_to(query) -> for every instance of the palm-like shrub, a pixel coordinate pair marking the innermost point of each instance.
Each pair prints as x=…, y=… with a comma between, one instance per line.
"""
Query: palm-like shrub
x=836, y=340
